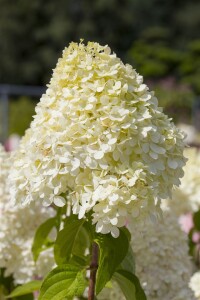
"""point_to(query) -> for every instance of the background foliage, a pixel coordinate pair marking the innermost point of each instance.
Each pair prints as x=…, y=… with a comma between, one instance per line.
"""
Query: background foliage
x=163, y=35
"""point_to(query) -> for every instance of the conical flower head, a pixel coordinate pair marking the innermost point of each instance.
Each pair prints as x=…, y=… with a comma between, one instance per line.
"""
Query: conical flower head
x=100, y=138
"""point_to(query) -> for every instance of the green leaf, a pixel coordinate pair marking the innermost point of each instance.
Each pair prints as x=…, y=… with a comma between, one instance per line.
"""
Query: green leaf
x=128, y=263
x=196, y=220
x=64, y=281
x=127, y=232
x=129, y=285
x=66, y=239
x=25, y=289
x=79, y=260
x=112, y=253
x=82, y=242
x=40, y=239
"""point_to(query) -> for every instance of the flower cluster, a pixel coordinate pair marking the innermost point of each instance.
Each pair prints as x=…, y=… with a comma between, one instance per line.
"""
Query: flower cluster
x=186, y=198
x=99, y=141
x=162, y=261
x=17, y=229
x=195, y=284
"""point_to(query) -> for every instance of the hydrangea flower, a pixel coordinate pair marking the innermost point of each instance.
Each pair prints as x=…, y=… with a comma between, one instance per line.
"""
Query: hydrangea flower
x=186, y=198
x=195, y=284
x=162, y=261
x=17, y=229
x=99, y=141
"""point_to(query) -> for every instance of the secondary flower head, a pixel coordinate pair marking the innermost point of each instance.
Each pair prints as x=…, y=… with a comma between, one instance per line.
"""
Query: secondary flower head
x=186, y=198
x=195, y=284
x=162, y=261
x=17, y=229
x=100, y=140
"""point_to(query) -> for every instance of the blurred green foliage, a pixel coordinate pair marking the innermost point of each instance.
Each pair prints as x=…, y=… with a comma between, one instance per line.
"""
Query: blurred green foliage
x=156, y=61
x=177, y=102
x=21, y=111
x=194, y=242
x=33, y=34
x=190, y=66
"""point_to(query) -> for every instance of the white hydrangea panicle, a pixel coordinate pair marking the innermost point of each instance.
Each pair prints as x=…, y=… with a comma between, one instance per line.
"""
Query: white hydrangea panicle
x=99, y=141
x=195, y=284
x=17, y=229
x=186, y=198
x=162, y=261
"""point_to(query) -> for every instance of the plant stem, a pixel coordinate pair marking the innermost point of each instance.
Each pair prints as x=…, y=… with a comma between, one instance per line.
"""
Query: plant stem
x=93, y=271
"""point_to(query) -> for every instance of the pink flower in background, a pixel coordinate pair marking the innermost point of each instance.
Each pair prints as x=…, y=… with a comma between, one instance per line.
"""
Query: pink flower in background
x=186, y=222
x=12, y=142
x=196, y=237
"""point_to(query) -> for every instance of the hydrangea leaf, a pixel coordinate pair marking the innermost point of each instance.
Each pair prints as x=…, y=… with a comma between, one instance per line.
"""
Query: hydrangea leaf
x=64, y=281
x=25, y=289
x=82, y=242
x=66, y=239
x=112, y=253
x=130, y=285
x=41, y=235
x=128, y=263
x=79, y=260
